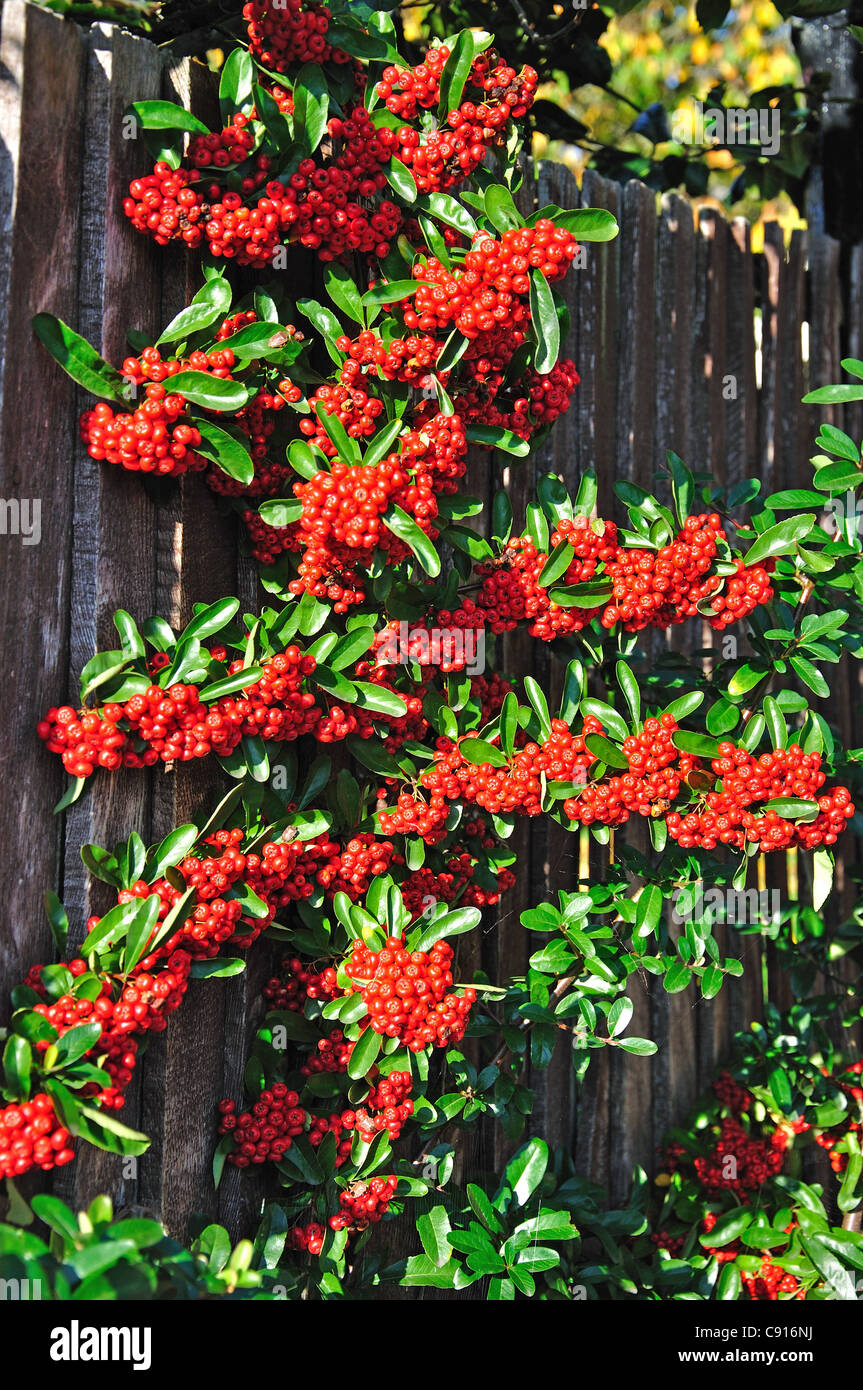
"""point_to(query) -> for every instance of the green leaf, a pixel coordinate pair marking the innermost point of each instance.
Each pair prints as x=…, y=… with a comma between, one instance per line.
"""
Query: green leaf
x=225, y=451
x=619, y=1016
x=606, y=751
x=456, y=72
x=281, y=511
x=779, y=539
x=211, y=619
x=588, y=224
x=342, y=290
x=728, y=1285
x=639, y=1047
x=629, y=686
x=390, y=292
x=557, y=564
x=833, y=395
x=240, y=680
x=112, y=927
x=433, y=1227
x=235, y=82
x=699, y=745
x=594, y=593
x=462, y=919
x=346, y=446
x=449, y=211
x=546, y=326
x=479, y=751
x=793, y=808
x=365, y=1053
x=526, y=1169
x=58, y=920
x=501, y=517
x=212, y=302
x=75, y=1043
x=780, y=1088
x=17, y=1066
x=682, y=486
x=380, y=700
x=166, y=115
x=311, y=104
x=79, y=360
x=217, y=969
x=407, y=530
x=401, y=180
x=494, y=437
x=609, y=717
x=648, y=910
x=210, y=392
x=500, y=208
x=810, y=675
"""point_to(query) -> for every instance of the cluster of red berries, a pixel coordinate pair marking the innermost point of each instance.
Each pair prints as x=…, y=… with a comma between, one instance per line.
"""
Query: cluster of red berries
x=404, y=91
x=649, y=588
x=361, y=1204
x=265, y=1132
x=733, y=816
x=530, y=404
x=342, y=523
x=399, y=359
x=510, y=592
x=31, y=1136
x=176, y=725
x=317, y=206
x=282, y=32
x=769, y=1281
x=657, y=775
x=740, y=1163
x=231, y=145
x=142, y=1006
x=849, y=1079
x=352, y=406
x=492, y=287
x=445, y=157
x=331, y=1054
x=656, y=588
x=154, y=438
x=405, y=993
x=342, y=513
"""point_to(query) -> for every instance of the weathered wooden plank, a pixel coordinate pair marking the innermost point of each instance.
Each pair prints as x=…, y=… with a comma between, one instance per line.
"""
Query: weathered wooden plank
x=825, y=313
x=113, y=558
x=790, y=432
x=709, y=342
x=740, y=389
x=636, y=329
x=597, y=342
x=675, y=284
x=852, y=418
x=41, y=93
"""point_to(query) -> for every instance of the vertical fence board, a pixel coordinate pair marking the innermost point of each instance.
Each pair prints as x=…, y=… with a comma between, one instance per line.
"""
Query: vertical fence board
x=41, y=115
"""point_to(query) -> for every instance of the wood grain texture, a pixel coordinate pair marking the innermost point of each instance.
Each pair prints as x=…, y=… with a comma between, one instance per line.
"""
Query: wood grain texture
x=42, y=63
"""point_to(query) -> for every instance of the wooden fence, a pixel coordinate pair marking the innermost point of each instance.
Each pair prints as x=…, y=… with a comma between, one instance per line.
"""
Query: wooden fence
x=684, y=339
